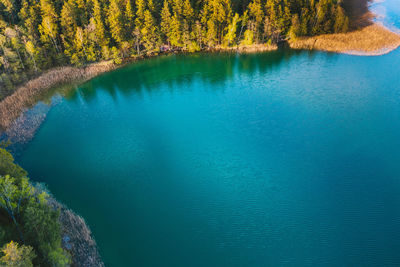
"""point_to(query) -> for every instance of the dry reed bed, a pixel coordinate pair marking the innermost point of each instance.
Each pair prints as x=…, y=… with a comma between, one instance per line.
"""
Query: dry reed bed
x=25, y=96
x=373, y=39
x=369, y=40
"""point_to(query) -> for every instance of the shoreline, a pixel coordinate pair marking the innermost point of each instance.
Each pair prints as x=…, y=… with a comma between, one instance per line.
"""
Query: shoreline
x=370, y=40
x=26, y=95
x=77, y=237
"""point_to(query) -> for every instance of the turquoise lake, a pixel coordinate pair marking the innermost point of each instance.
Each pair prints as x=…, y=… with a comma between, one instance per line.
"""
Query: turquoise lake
x=275, y=159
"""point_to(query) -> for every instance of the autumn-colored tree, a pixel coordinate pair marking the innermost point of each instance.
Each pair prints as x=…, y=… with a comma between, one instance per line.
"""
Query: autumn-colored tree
x=230, y=36
x=30, y=17
x=16, y=256
x=129, y=16
x=49, y=28
x=216, y=15
x=100, y=30
x=38, y=34
x=256, y=18
x=165, y=21
x=341, y=21
x=150, y=35
x=115, y=20
x=33, y=53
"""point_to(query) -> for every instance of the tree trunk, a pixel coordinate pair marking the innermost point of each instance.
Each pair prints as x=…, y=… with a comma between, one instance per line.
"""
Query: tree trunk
x=17, y=226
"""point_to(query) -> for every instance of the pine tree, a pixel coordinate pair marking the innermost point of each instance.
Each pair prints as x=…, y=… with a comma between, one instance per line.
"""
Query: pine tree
x=175, y=32
x=188, y=12
x=68, y=20
x=166, y=21
x=139, y=23
x=129, y=16
x=48, y=28
x=149, y=31
x=115, y=21
x=100, y=30
x=256, y=17
x=244, y=21
x=81, y=12
x=39, y=34
x=140, y=9
x=13, y=40
x=197, y=36
x=216, y=16
x=295, y=29
x=30, y=16
x=32, y=51
x=286, y=17
x=10, y=7
x=230, y=37
x=341, y=21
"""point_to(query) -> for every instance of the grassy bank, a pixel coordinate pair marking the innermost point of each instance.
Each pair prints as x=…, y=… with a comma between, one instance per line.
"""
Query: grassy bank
x=372, y=39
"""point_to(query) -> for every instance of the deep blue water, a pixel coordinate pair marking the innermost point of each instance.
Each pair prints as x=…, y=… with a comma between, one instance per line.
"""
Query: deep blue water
x=276, y=159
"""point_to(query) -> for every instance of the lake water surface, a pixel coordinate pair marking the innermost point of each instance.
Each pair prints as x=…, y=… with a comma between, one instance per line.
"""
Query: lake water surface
x=276, y=159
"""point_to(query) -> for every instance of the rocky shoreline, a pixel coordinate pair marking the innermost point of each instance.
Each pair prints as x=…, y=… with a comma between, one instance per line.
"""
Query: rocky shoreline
x=77, y=238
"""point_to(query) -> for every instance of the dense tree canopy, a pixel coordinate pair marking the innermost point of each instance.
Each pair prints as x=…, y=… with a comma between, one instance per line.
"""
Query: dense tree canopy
x=28, y=220
x=38, y=34
x=15, y=255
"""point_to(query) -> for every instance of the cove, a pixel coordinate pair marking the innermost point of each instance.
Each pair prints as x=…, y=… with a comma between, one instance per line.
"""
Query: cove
x=283, y=158
x=276, y=159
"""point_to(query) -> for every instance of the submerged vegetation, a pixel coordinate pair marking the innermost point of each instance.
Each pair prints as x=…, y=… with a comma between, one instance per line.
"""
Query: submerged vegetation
x=36, y=35
x=14, y=105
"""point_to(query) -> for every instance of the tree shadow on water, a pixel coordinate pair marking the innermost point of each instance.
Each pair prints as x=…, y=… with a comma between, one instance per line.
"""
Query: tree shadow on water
x=179, y=72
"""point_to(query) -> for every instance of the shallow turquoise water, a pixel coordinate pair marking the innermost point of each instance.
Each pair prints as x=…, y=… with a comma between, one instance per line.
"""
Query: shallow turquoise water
x=388, y=13
x=276, y=159
x=281, y=158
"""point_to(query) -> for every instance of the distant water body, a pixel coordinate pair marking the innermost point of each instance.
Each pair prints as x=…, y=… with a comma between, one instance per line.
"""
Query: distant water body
x=387, y=13
x=275, y=159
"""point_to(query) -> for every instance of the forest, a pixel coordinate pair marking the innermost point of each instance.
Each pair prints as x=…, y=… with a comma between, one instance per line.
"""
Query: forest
x=36, y=35
x=30, y=231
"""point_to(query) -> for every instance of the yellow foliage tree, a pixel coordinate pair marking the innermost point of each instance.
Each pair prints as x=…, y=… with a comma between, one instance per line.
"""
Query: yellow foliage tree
x=17, y=256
